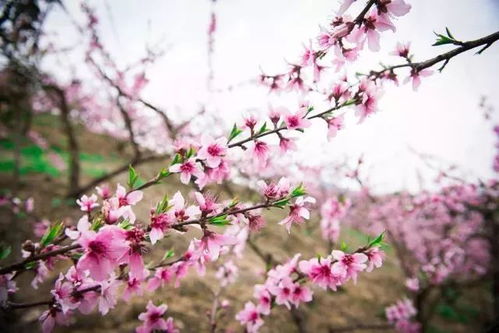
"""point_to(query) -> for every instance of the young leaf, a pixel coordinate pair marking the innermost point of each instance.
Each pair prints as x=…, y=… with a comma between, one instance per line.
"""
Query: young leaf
x=168, y=254
x=234, y=132
x=344, y=246
x=176, y=159
x=162, y=206
x=132, y=176
x=190, y=152
x=298, y=191
x=377, y=241
x=51, y=234
x=5, y=251
x=281, y=203
x=262, y=129
x=219, y=220
x=125, y=224
x=163, y=173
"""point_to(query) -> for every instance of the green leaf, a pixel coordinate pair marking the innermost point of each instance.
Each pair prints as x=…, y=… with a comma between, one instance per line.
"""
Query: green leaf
x=96, y=224
x=125, y=224
x=5, y=250
x=51, y=234
x=233, y=203
x=262, y=129
x=344, y=246
x=377, y=241
x=219, y=220
x=168, y=254
x=448, y=33
x=234, y=132
x=190, y=152
x=176, y=159
x=162, y=206
x=281, y=203
x=443, y=39
x=298, y=191
x=163, y=173
x=132, y=176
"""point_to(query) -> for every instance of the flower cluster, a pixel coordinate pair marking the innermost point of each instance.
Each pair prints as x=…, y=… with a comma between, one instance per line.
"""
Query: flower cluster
x=332, y=211
x=400, y=314
x=285, y=283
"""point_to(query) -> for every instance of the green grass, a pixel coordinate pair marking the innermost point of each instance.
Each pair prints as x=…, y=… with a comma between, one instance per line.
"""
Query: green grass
x=36, y=160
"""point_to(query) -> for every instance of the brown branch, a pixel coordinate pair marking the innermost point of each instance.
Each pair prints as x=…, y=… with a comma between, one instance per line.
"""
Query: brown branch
x=447, y=56
x=74, y=149
x=12, y=305
x=114, y=173
x=21, y=265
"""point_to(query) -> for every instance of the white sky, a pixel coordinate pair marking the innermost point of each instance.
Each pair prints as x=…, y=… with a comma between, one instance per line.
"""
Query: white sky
x=441, y=119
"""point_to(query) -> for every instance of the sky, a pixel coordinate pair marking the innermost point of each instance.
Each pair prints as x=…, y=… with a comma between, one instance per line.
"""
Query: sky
x=441, y=119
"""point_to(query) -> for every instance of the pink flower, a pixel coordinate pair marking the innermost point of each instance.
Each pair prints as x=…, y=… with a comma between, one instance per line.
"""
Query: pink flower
x=262, y=294
x=394, y=7
x=206, y=203
x=127, y=199
x=159, y=225
x=7, y=286
x=402, y=50
x=180, y=212
x=283, y=291
x=339, y=91
x=250, y=317
x=300, y=294
x=351, y=264
x=260, y=152
x=82, y=226
x=212, y=243
x=297, y=120
x=102, y=250
x=273, y=191
x=53, y=316
x=162, y=276
x=187, y=169
x=104, y=191
x=62, y=293
x=412, y=284
x=322, y=272
x=133, y=287
x=334, y=125
x=344, y=6
x=374, y=258
x=298, y=212
x=286, y=144
x=369, y=100
x=108, y=293
x=87, y=204
x=29, y=205
x=250, y=122
x=275, y=115
x=403, y=309
x=416, y=77
x=255, y=222
x=133, y=257
x=153, y=318
x=212, y=150
x=227, y=273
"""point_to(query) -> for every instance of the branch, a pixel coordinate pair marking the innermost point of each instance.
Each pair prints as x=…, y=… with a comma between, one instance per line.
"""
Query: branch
x=21, y=265
x=74, y=149
x=466, y=46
